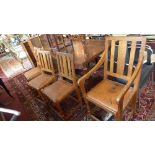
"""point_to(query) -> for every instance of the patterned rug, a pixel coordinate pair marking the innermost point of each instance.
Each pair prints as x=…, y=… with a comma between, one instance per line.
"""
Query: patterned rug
x=146, y=104
x=38, y=110
x=34, y=109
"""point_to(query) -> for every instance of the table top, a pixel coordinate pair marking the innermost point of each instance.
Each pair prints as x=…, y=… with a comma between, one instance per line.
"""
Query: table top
x=85, y=53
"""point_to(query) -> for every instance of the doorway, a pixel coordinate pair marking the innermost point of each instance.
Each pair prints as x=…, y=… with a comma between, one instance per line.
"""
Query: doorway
x=13, y=59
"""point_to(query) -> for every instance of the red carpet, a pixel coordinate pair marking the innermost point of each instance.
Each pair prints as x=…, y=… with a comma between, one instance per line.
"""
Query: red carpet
x=12, y=103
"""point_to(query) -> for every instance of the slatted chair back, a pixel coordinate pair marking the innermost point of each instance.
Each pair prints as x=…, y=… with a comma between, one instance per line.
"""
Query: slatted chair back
x=66, y=66
x=45, y=61
x=36, y=42
x=120, y=55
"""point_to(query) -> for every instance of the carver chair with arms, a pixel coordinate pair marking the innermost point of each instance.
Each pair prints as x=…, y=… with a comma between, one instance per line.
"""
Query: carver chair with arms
x=109, y=94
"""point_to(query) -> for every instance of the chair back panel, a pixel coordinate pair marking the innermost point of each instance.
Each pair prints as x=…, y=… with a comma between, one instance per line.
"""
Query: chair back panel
x=79, y=49
x=118, y=53
x=35, y=52
x=36, y=42
x=66, y=65
x=45, y=42
x=45, y=61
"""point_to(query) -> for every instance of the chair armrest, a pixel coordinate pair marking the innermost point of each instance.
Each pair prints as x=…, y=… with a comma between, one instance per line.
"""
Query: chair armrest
x=82, y=80
x=128, y=85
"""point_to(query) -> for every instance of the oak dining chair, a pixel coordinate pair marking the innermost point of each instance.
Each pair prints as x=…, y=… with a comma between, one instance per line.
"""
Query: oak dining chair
x=108, y=94
x=36, y=71
x=65, y=85
x=48, y=73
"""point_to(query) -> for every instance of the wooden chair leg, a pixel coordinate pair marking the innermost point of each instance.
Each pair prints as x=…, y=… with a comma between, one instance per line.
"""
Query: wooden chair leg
x=59, y=109
x=79, y=96
x=133, y=104
x=41, y=95
x=119, y=116
x=88, y=108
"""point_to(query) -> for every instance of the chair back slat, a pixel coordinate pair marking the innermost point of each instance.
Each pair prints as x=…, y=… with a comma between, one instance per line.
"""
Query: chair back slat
x=69, y=66
x=122, y=49
x=45, y=61
x=121, y=53
x=65, y=65
x=132, y=56
x=112, y=56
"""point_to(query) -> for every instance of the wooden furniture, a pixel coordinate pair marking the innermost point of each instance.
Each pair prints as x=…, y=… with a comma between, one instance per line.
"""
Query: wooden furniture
x=85, y=52
x=36, y=42
x=45, y=42
x=36, y=71
x=77, y=36
x=28, y=48
x=109, y=95
x=65, y=85
x=48, y=74
x=52, y=41
x=59, y=41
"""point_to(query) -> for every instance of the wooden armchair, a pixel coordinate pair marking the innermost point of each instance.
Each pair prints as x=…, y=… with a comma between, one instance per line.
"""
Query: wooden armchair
x=110, y=95
x=65, y=85
x=48, y=74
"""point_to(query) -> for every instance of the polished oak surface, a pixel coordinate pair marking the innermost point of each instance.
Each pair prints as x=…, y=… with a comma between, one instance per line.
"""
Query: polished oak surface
x=84, y=52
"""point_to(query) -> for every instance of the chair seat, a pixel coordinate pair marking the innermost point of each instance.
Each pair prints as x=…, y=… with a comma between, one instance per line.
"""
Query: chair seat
x=58, y=90
x=41, y=81
x=107, y=91
x=31, y=74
